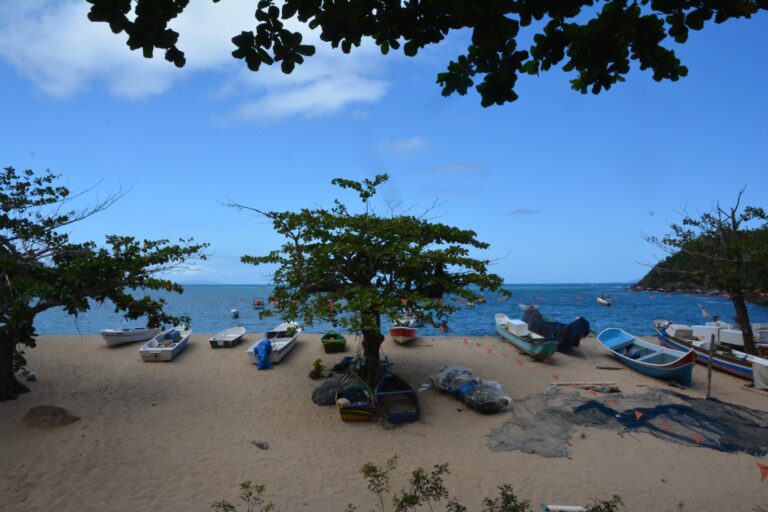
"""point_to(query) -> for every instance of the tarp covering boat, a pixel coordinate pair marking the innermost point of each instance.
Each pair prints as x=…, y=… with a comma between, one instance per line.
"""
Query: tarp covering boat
x=567, y=335
x=263, y=349
x=486, y=397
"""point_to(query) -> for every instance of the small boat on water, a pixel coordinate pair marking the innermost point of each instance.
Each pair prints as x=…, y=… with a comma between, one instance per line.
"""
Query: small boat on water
x=333, y=342
x=227, y=338
x=397, y=399
x=725, y=359
x=516, y=332
x=354, y=399
x=234, y=313
x=258, y=303
x=647, y=358
x=604, y=300
x=166, y=345
x=283, y=339
x=401, y=334
x=115, y=337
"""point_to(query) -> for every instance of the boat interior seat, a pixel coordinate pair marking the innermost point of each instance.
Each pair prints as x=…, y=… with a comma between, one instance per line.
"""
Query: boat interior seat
x=647, y=357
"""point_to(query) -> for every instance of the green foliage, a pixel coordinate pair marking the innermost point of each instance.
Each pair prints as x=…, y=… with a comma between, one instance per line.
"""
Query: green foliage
x=610, y=505
x=41, y=269
x=378, y=478
x=507, y=501
x=424, y=488
x=252, y=495
x=597, y=44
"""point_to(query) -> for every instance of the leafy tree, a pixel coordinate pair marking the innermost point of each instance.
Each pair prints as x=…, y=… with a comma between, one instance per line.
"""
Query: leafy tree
x=352, y=268
x=598, y=40
x=41, y=269
x=726, y=249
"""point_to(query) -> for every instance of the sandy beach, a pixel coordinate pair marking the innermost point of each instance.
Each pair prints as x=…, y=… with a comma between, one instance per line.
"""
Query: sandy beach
x=178, y=436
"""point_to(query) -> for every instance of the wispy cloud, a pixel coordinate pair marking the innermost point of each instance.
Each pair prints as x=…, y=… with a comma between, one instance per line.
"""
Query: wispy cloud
x=459, y=168
x=403, y=146
x=52, y=44
x=522, y=212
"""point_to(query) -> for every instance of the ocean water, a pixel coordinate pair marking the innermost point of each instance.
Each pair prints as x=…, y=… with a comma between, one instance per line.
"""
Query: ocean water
x=209, y=307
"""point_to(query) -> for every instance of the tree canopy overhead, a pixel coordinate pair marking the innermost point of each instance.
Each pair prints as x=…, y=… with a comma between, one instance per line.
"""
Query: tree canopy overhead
x=596, y=40
x=353, y=268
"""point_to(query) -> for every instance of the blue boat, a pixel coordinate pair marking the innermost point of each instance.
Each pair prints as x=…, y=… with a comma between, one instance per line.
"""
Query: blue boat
x=396, y=399
x=648, y=358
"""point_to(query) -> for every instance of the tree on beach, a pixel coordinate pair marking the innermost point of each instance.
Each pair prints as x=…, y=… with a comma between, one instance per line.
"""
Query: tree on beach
x=598, y=41
x=727, y=249
x=40, y=268
x=351, y=268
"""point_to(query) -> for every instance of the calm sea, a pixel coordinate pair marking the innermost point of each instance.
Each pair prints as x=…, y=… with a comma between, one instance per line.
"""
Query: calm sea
x=209, y=307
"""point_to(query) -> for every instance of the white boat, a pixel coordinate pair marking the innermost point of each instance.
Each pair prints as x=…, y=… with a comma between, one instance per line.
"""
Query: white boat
x=115, y=337
x=235, y=313
x=604, y=300
x=166, y=345
x=283, y=338
x=227, y=338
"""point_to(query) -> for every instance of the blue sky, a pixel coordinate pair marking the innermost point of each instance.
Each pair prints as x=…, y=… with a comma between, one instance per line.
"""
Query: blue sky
x=562, y=185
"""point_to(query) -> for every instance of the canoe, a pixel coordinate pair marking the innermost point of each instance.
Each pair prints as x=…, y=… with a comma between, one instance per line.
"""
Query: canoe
x=397, y=399
x=516, y=332
x=402, y=334
x=333, y=342
x=648, y=358
x=115, y=337
x=227, y=338
x=354, y=399
x=166, y=345
x=734, y=362
x=282, y=340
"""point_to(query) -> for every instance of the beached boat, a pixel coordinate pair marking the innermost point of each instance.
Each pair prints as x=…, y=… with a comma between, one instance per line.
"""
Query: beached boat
x=648, y=358
x=401, y=334
x=681, y=337
x=166, y=345
x=354, y=399
x=397, y=399
x=516, y=332
x=333, y=342
x=604, y=300
x=283, y=338
x=227, y=338
x=115, y=337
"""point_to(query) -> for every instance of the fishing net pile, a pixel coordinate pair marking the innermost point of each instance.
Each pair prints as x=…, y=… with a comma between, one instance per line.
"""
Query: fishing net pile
x=484, y=396
x=544, y=424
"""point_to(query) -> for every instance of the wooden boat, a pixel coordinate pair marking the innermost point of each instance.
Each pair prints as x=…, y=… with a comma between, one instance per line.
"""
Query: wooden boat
x=333, y=342
x=726, y=360
x=227, y=338
x=115, y=337
x=354, y=399
x=648, y=358
x=402, y=334
x=397, y=399
x=166, y=345
x=516, y=332
x=604, y=300
x=283, y=338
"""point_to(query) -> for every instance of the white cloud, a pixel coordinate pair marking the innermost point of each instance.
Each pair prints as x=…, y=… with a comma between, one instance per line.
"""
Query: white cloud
x=403, y=146
x=55, y=46
x=459, y=168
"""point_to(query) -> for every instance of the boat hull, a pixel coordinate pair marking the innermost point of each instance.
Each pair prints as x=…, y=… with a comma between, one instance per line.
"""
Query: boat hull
x=228, y=338
x=355, y=400
x=333, y=342
x=114, y=338
x=282, y=343
x=396, y=399
x=152, y=352
x=402, y=334
x=541, y=350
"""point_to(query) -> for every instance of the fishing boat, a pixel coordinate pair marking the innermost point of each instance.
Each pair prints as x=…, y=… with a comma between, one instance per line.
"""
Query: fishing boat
x=402, y=334
x=283, y=339
x=397, y=399
x=354, y=399
x=115, y=337
x=516, y=332
x=333, y=342
x=258, y=303
x=166, y=345
x=681, y=337
x=604, y=300
x=648, y=358
x=227, y=338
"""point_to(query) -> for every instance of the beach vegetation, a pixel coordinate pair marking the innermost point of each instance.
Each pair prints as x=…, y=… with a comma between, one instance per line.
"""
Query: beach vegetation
x=351, y=268
x=42, y=268
x=725, y=248
x=252, y=496
x=597, y=42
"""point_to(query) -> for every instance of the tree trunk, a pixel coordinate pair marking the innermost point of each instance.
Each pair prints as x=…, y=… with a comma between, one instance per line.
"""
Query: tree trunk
x=10, y=388
x=742, y=319
x=372, y=340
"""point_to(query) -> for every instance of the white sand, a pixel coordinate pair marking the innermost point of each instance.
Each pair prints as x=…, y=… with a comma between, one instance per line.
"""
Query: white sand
x=177, y=436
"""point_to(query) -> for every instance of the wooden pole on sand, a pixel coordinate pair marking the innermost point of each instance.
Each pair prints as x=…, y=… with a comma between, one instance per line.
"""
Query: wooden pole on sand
x=709, y=364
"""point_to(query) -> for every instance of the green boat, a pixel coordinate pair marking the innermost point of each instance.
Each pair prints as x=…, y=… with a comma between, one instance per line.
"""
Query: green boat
x=333, y=342
x=516, y=332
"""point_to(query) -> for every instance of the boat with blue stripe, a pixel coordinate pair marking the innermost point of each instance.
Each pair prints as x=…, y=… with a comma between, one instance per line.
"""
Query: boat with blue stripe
x=648, y=358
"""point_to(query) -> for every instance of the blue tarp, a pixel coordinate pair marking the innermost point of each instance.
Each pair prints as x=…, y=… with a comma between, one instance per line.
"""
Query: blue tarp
x=263, y=349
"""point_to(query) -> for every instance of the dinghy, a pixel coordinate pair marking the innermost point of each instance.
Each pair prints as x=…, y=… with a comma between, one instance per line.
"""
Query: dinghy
x=516, y=332
x=604, y=300
x=397, y=399
x=333, y=342
x=354, y=399
x=648, y=358
x=166, y=345
x=115, y=337
x=227, y=338
x=401, y=334
x=283, y=339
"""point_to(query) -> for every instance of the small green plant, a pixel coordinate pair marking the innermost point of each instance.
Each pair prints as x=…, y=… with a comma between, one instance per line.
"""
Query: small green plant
x=318, y=367
x=251, y=494
x=378, y=478
x=425, y=489
x=507, y=501
x=610, y=505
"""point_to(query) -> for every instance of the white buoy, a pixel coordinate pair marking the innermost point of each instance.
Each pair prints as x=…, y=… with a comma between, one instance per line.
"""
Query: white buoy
x=235, y=313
